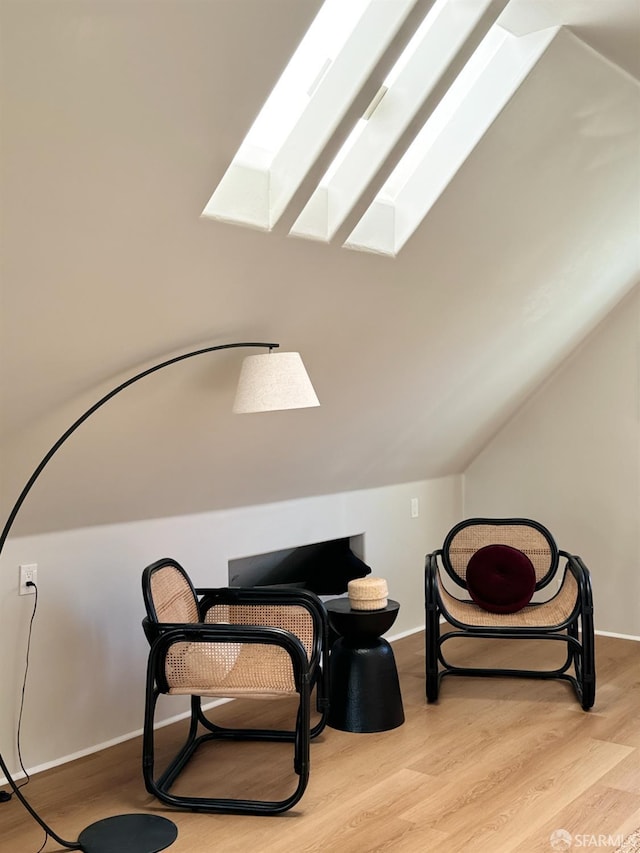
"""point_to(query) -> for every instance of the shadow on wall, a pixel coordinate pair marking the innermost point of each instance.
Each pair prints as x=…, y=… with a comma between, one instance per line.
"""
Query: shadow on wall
x=322, y=567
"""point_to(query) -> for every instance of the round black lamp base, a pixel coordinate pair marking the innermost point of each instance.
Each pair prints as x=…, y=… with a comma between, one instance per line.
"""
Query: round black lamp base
x=128, y=833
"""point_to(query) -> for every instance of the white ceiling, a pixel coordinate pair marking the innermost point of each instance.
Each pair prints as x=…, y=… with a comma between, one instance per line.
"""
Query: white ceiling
x=118, y=119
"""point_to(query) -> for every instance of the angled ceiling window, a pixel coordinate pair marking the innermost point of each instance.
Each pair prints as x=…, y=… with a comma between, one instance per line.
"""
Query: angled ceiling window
x=316, y=93
x=469, y=107
x=326, y=72
x=433, y=47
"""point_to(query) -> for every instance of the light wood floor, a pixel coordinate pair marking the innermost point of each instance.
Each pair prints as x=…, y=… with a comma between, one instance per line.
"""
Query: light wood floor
x=494, y=767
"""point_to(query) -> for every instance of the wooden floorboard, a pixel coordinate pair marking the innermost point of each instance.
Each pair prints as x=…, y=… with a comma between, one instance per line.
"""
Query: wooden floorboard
x=496, y=766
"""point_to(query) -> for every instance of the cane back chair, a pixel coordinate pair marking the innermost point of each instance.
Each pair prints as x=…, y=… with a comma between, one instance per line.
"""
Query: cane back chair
x=261, y=642
x=566, y=616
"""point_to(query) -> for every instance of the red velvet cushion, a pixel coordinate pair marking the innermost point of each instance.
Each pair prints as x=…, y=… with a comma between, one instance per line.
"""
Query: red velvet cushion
x=500, y=579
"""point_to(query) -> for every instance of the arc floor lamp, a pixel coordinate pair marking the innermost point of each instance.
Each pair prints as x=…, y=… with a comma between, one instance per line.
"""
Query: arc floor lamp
x=268, y=382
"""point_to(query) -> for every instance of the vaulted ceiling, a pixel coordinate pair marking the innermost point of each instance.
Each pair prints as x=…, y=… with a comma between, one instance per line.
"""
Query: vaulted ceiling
x=118, y=121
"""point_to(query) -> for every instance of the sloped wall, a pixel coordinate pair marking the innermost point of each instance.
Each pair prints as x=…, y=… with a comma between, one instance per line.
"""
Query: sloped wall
x=111, y=152
x=571, y=458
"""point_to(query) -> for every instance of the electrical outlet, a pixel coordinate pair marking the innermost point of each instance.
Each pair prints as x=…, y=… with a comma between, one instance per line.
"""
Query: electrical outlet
x=415, y=508
x=28, y=574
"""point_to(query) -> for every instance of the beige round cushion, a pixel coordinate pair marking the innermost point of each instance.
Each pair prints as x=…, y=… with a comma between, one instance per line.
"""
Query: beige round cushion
x=368, y=593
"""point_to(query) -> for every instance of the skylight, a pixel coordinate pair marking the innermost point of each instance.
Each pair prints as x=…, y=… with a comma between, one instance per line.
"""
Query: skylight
x=334, y=62
x=478, y=94
x=430, y=51
x=326, y=72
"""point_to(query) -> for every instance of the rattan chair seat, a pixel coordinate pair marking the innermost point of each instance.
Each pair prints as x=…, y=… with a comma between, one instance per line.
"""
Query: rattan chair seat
x=548, y=614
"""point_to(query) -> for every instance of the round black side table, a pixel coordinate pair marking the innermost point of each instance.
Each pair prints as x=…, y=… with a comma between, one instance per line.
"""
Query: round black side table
x=364, y=687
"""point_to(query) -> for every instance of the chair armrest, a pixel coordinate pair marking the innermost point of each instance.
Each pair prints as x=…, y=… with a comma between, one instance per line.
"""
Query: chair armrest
x=432, y=572
x=431, y=580
x=582, y=575
x=432, y=558
x=172, y=634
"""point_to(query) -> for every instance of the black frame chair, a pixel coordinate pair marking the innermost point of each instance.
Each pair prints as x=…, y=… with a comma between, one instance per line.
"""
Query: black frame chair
x=199, y=633
x=565, y=617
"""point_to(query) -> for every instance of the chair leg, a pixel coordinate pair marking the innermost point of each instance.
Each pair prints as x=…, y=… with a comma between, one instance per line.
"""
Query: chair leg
x=301, y=745
x=587, y=676
x=432, y=642
x=160, y=788
x=584, y=663
x=431, y=654
x=580, y=655
x=148, y=752
x=176, y=765
x=322, y=707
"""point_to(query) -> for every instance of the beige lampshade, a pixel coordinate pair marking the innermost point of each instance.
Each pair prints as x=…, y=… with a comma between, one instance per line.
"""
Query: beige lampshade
x=272, y=381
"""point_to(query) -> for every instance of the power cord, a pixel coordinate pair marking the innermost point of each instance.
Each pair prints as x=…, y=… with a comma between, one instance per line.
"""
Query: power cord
x=5, y=796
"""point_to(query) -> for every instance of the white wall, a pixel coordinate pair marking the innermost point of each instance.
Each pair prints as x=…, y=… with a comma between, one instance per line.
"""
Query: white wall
x=86, y=674
x=571, y=458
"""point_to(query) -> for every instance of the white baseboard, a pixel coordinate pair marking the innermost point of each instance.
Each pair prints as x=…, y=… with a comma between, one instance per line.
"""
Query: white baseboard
x=39, y=768
x=617, y=636
x=393, y=637
x=90, y=750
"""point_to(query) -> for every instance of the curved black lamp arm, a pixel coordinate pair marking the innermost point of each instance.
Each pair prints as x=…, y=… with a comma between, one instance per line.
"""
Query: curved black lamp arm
x=32, y=479
x=74, y=426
